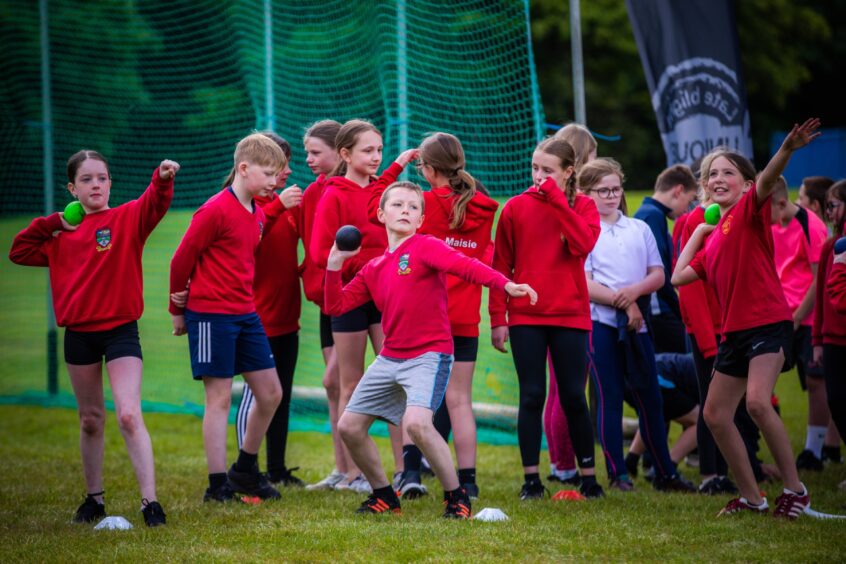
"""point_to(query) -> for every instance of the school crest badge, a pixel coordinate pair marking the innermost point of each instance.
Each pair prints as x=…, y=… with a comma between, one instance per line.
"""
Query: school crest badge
x=726, y=225
x=403, y=269
x=104, y=239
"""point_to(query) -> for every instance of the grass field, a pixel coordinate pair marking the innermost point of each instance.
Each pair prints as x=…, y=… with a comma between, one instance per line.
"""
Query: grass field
x=44, y=483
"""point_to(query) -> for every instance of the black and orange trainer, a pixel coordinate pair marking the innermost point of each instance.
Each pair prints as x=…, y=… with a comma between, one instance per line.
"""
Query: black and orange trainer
x=376, y=505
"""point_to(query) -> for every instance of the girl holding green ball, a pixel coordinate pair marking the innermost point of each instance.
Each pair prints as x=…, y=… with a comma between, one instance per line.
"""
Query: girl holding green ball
x=96, y=283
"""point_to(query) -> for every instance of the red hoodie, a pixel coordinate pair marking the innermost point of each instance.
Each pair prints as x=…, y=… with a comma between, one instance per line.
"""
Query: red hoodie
x=700, y=308
x=408, y=285
x=836, y=287
x=312, y=274
x=95, y=271
x=543, y=242
x=473, y=238
x=276, y=287
x=346, y=203
x=829, y=325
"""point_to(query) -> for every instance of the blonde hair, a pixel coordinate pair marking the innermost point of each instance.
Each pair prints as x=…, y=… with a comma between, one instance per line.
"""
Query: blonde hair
x=279, y=141
x=581, y=139
x=261, y=150
x=407, y=186
x=347, y=138
x=566, y=157
x=593, y=172
x=444, y=153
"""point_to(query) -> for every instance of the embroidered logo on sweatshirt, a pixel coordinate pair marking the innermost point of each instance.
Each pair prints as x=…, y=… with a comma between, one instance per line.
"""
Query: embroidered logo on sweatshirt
x=104, y=239
x=403, y=269
x=727, y=225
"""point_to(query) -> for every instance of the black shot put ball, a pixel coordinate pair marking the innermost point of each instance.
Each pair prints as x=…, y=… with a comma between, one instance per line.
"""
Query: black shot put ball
x=348, y=238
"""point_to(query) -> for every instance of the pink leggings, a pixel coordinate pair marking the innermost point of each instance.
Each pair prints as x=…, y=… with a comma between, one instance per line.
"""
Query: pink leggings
x=561, y=453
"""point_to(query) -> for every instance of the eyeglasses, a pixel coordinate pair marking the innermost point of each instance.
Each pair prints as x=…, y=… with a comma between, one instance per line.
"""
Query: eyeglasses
x=609, y=192
x=831, y=206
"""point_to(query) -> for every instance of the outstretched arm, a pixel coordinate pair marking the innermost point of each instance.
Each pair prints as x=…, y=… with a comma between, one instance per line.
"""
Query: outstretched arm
x=798, y=137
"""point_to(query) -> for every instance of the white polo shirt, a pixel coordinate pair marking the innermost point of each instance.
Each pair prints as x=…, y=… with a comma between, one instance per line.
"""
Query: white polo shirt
x=621, y=257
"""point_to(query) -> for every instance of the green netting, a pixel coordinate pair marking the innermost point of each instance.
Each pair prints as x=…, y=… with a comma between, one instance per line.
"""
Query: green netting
x=149, y=79
x=141, y=81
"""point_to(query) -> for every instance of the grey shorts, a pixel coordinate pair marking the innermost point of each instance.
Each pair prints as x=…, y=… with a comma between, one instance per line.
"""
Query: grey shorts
x=391, y=384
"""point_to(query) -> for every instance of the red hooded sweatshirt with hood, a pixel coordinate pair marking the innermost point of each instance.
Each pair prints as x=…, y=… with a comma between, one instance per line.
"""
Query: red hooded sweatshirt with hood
x=543, y=242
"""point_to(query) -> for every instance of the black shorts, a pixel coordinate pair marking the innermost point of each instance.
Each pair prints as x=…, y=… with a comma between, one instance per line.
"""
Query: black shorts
x=89, y=347
x=803, y=353
x=466, y=348
x=739, y=347
x=326, y=339
x=677, y=403
x=358, y=319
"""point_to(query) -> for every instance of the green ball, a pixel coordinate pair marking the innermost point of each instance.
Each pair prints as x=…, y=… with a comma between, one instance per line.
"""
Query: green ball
x=74, y=212
x=712, y=214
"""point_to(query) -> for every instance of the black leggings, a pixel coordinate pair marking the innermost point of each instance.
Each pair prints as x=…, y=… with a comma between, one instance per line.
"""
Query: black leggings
x=834, y=366
x=711, y=460
x=285, y=349
x=568, y=349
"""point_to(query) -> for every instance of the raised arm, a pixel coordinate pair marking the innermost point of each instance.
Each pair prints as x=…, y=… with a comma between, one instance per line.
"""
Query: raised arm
x=30, y=245
x=798, y=137
x=580, y=229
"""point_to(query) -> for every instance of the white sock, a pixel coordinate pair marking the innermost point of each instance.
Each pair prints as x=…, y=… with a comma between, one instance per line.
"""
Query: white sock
x=815, y=439
x=565, y=474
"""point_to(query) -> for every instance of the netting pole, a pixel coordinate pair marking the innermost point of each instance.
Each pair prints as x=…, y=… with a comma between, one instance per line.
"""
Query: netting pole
x=47, y=137
x=270, y=118
x=578, y=67
x=402, y=80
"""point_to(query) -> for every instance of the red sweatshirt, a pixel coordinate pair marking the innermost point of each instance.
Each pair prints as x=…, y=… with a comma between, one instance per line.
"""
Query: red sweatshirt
x=543, y=242
x=408, y=285
x=218, y=256
x=700, y=308
x=829, y=324
x=95, y=271
x=277, y=281
x=473, y=239
x=312, y=274
x=836, y=287
x=346, y=203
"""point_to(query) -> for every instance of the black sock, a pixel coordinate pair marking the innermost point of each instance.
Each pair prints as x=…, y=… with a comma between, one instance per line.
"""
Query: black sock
x=532, y=478
x=831, y=453
x=457, y=493
x=412, y=458
x=217, y=480
x=632, y=459
x=246, y=462
x=588, y=480
x=467, y=475
x=387, y=493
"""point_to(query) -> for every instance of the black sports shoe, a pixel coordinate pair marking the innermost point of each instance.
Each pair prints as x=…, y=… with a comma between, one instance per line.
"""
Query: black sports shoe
x=223, y=493
x=533, y=490
x=717, y=485
x=377, y=505
x=153, y=513
x=807, y=460
x=89, y=511
x=457, y=506
x=285, y=478
x=632, y=465
x=832, y=454
x=410, y=485
x=591, y=490
x=472, y=490
x=673, y=483
x=252, y=483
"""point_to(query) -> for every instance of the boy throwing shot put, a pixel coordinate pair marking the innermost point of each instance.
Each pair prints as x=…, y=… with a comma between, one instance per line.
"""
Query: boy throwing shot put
x=407, y=381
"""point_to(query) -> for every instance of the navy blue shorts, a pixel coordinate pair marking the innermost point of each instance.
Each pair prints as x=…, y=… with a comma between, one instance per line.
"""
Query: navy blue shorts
x=90, y=347
x=224, y=345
